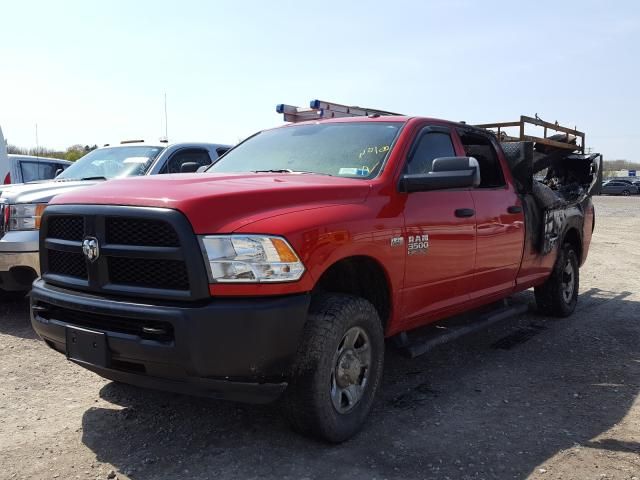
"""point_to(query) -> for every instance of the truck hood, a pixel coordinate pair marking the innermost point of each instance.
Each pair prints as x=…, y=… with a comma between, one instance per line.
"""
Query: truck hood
x=41, y=192
x=216, y=202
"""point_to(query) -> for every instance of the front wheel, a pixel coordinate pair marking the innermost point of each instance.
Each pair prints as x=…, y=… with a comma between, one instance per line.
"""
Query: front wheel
x=558, y=296
x=338, y=368
x=626, y=193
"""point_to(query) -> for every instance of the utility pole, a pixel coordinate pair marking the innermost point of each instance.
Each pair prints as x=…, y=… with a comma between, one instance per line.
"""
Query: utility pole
x=166, y=127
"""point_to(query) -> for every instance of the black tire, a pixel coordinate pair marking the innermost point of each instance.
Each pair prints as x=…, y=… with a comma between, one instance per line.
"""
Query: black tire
x=308, y=403
x=552, y=297
x=626, y=193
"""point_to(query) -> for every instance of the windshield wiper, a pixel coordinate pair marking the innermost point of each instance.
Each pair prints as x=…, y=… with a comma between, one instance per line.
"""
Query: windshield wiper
x=94, y=178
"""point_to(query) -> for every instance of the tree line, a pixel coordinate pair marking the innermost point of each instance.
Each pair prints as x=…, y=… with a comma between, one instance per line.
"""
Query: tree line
x=73, y=153
x=612, y=167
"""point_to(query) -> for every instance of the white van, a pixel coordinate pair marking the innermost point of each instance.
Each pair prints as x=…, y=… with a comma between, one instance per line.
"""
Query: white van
x=26, y=168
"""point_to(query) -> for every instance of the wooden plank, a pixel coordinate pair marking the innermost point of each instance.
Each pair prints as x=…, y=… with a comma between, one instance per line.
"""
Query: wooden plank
x=552, y=126
x=303, y=116
x=498, y=125
x=552, y=143
x=310, y=114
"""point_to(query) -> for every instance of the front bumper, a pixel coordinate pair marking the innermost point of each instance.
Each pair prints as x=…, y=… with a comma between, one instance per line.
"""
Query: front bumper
x=18, y=270
x=19, y=259
x=222, y=348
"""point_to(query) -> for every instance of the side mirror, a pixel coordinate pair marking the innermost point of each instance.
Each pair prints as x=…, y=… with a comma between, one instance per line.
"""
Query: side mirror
x=58, y=172
x=202, y=168
x=447, y=172
x=189, y=167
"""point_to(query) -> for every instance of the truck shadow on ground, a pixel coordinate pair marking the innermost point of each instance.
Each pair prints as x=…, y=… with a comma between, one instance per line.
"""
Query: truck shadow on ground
x=14, y=315
x=494, y=404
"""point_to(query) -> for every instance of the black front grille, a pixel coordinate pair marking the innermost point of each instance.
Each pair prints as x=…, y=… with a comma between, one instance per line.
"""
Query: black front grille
x=153, y=330
x=67, y=263
x=149, y=273
x=137, y=231
x=66, y=227
x=142, y=252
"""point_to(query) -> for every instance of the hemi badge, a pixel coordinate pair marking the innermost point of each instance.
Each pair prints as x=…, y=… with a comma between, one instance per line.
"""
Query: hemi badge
x=397, y=241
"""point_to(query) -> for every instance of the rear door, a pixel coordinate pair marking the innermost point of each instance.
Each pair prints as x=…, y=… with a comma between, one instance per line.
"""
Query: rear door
x=499, y=218
x=439, y=237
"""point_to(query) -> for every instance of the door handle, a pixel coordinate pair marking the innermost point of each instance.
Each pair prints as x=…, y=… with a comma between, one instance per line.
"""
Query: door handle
x=465, y=212
x=514, y=209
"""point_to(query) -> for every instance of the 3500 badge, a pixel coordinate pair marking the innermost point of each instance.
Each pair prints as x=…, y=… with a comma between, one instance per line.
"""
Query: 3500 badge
x=417, y=244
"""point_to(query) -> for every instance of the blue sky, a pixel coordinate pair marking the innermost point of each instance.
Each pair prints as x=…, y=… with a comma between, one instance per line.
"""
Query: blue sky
x=89, y=72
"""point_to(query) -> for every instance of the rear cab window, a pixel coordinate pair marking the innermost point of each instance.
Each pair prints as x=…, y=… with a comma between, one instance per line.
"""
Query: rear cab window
x=481, y=148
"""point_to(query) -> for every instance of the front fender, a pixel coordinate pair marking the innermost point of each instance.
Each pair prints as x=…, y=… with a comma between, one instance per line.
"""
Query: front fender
x=325, y=235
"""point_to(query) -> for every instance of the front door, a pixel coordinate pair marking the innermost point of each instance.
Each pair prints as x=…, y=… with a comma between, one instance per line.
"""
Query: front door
x=439, y=237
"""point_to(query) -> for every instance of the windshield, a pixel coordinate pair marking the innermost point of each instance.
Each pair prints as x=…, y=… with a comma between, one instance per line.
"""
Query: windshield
x=112, y=162
x=342, y=149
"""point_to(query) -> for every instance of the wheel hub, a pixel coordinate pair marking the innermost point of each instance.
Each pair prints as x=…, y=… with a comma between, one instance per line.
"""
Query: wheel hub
x=568, y=282
x=350, y=370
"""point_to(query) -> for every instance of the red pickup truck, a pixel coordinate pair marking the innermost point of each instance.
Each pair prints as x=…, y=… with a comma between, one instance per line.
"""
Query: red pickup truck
x=281, y=270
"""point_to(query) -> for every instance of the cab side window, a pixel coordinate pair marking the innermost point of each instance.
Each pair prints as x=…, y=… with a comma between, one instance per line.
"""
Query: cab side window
x=222, y=150
x=480, y=147
x=197, y=155
x=430, y=146
x=48, y=169
x=30, y=171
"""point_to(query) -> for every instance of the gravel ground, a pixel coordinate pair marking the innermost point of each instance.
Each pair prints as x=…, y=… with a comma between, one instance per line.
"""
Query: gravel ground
x=531, y=397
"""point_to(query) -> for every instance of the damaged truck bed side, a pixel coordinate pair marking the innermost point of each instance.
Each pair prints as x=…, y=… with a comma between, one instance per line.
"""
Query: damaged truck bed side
x=554, y=177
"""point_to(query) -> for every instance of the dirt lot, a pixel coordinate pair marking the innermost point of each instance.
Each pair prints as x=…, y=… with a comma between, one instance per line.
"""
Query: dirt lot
x=531, y=397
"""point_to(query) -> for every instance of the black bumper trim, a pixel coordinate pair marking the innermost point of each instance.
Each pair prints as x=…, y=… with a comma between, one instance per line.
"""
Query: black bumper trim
x=221, y=389
x=239, y=349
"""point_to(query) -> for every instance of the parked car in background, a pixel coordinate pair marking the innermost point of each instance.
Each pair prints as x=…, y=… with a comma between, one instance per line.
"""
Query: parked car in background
x=4, y=158
x=27, y=168
x=623, y=180
x=618, y=187
x=21, y=206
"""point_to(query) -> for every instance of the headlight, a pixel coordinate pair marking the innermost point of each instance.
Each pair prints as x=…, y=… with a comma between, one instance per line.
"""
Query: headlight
x=25, y=216
x=250, y=259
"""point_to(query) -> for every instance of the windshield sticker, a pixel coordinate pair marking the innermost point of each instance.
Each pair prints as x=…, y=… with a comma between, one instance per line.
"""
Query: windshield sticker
x=375, y=150
x=358, y=172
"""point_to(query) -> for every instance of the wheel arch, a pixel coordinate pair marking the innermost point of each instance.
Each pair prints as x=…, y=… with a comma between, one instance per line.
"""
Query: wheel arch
x=573, y=237
x=363, y=276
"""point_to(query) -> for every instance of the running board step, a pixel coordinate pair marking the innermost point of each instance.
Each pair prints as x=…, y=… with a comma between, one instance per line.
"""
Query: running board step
x=422, y=340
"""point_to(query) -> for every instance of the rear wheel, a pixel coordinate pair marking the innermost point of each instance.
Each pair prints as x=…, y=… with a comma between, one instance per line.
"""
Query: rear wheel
x=337, y=370
x=558, y=296
x=626, y=193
